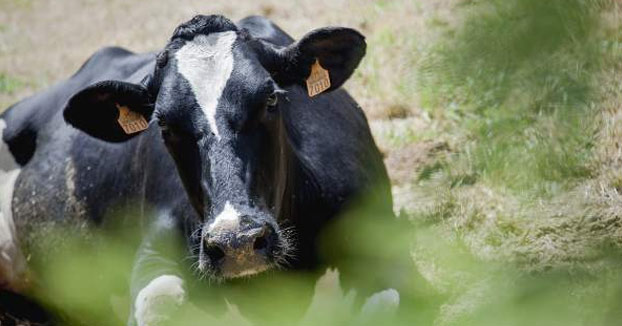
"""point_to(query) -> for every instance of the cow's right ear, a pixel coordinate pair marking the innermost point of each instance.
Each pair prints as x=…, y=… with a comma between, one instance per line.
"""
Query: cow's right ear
x=112, y=111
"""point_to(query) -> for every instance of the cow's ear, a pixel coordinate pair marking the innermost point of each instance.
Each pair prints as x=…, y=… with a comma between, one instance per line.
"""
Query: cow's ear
x=338, y=50
x=113, y=111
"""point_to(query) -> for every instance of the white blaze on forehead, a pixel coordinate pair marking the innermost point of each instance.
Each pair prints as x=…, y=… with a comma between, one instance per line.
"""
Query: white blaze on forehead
x=207, y=62
x=228, y=219
x=162, y=294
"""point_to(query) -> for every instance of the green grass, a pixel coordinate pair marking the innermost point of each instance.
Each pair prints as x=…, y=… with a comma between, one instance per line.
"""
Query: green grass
x=523, y=91
x=471, y=293
x=539, y=153
x=8, y=84
x=385, y=77
x=519, y=78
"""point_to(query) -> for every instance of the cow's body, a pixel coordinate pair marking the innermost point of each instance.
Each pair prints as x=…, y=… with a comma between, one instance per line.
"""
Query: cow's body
x=63, y=177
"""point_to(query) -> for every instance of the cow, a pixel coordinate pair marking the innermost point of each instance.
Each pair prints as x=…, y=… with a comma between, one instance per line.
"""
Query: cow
x=234, y=136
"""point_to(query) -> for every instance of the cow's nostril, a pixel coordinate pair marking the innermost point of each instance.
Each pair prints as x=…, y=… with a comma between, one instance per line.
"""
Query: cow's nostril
x=214, y=253
x=260, y=243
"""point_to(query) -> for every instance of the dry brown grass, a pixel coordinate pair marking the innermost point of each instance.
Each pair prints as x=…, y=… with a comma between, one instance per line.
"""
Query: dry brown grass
x=43, y=41
x=570, y=231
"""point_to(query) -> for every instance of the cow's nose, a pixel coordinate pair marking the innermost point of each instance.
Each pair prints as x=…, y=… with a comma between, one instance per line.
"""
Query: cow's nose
x=240, y=247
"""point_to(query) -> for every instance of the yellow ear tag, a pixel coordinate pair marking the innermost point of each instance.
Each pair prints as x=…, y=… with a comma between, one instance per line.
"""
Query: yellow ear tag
x=319, y=79
x=130, y=121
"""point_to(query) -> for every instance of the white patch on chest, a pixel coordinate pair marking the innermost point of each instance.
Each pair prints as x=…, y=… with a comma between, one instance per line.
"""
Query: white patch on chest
x=228, y=219
x=12, y=262
x=207, y=62
x=156, y=301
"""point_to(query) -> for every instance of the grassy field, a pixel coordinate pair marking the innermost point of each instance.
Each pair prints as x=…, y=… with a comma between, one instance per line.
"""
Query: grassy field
x=501, y=133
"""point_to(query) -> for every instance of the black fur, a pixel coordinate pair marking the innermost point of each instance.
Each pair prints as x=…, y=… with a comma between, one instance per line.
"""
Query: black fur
x=295, y=165
x=202, y=24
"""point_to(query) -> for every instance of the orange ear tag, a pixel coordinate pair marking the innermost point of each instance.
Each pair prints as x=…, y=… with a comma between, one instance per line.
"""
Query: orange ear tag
x=130, y=121
x=319, y=79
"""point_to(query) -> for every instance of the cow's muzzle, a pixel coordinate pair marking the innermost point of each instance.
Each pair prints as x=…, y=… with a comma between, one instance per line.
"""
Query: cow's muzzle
x=239, y=246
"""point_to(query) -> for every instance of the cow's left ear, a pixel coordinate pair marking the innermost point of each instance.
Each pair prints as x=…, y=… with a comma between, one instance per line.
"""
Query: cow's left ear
x=111, y=110
x=338, y=50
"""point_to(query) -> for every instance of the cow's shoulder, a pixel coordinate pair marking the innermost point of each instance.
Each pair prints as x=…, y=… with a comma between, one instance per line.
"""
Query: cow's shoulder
x=101, y=60
x=26, y=120
x=263, y=28
x=331, y=138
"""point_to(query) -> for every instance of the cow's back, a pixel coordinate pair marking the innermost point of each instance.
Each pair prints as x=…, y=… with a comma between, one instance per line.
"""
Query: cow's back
x=35, y=119
x=61, y=171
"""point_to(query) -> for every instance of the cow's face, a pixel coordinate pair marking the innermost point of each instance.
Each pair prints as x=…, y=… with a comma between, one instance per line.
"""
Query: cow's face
x=217, y=108
x=216, y=94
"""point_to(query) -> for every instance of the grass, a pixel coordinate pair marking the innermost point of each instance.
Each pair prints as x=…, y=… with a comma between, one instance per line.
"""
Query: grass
x=520, y=76
x=9, y=87
x=8, y=84
x=530, y=181
x=500, y=121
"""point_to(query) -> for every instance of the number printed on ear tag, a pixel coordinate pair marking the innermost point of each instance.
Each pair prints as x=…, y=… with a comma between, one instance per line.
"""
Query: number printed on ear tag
x=319, y=79
x=130, y=121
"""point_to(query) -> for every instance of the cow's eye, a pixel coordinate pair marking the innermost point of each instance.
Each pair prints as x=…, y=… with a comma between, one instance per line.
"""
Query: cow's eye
x=272, y=100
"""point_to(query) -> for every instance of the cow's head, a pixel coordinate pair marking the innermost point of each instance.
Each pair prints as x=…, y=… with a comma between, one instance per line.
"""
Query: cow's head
x=216, y=94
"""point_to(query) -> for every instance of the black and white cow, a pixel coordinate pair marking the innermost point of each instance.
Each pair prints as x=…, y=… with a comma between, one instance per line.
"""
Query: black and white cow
x=236, y=152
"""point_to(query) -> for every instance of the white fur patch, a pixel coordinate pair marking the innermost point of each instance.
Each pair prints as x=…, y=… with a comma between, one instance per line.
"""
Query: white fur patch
x=12, y=262
x=2, y=127
x=228, y=219
x=207, y=62
x=7, y=162
x=162, y=294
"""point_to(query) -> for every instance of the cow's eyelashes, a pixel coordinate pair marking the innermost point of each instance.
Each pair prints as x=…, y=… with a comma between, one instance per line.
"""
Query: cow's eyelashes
x=272, y=100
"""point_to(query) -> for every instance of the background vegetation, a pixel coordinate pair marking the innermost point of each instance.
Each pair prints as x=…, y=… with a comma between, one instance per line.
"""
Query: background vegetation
x=501, y=125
